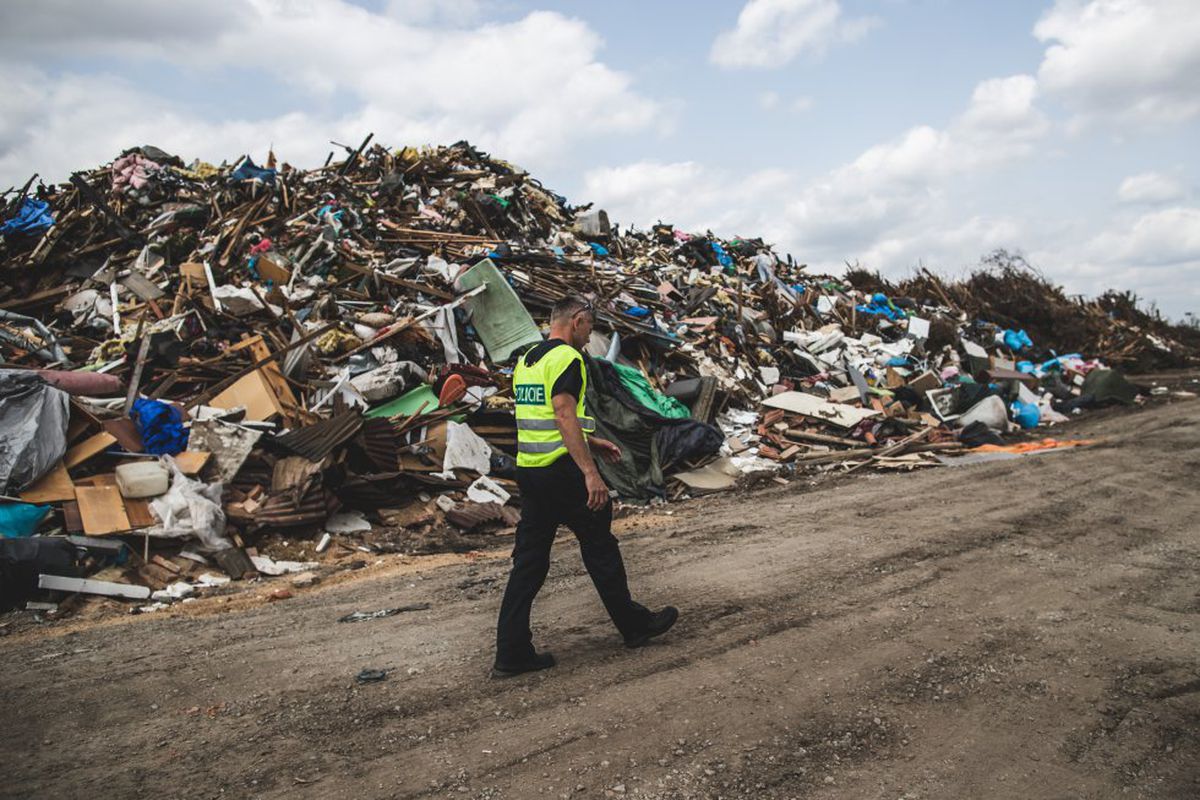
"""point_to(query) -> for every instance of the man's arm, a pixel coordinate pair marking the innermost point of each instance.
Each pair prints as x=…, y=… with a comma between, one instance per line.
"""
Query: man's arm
x=568, y=426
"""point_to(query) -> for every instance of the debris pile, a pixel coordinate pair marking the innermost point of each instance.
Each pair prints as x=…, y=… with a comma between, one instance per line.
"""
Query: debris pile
x=213, y=373
x=1008, y=291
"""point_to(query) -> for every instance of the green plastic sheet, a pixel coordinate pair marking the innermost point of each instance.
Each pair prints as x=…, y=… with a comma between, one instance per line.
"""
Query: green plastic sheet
x=498, y=316
x=408, y=403
x=640, y=388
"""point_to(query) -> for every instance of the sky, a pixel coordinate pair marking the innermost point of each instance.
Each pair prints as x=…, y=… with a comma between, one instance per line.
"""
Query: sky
x=884, y=133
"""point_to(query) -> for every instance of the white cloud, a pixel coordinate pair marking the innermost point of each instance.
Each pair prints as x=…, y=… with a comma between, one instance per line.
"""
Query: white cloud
x=901, y=182
x=424, y=12
x=944, y=248
x=802, y=104
x=116, y=26
x=1164, y=238
x=770, y=33
x=769, y=100
x=886, y=185
x=1155, y=254
x=889, y=208
x=1129, y=61
x=115, y=115
x=1151, y=188
x=529, y=89
x=691, y=195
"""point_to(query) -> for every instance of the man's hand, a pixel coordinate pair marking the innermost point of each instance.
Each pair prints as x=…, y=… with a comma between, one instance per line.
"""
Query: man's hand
x=568, y=426
x=597, y=491
x=609, y=451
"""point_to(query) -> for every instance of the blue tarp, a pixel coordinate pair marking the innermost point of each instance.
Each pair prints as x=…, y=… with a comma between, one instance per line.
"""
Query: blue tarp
x=161, y=427
x=32, y=216
x=249, y=171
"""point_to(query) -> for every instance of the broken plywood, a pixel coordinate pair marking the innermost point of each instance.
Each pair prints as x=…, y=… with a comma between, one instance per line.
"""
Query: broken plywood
x=53, y=487
x=102, y=510
x=808, y=405
x=190, y=462
x=89, y=448
x=254, y=393
x=126, y=433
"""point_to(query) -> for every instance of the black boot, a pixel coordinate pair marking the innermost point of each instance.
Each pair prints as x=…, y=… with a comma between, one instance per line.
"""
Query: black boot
x=659, y=624
x=539, y=661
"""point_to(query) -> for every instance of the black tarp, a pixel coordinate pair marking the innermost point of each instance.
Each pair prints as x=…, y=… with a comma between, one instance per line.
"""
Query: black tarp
x=651, y=444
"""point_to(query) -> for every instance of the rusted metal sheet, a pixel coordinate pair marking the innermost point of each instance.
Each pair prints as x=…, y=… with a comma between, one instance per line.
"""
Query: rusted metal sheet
x=318, y=440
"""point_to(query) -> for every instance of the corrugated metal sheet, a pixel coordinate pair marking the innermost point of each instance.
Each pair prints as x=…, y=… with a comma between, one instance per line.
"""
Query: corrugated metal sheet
x=469, y=516
x=318, y=440
x=313, y=509
x=382, y=444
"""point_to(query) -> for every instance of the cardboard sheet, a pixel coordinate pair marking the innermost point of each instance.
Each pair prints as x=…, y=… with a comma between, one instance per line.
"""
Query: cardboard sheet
x=718, y=476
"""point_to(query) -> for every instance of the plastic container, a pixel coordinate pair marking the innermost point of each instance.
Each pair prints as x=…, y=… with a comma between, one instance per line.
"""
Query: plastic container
x=143, y=479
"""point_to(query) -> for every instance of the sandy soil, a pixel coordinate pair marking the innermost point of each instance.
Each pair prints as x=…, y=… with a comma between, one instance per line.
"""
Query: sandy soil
x=1023, y=629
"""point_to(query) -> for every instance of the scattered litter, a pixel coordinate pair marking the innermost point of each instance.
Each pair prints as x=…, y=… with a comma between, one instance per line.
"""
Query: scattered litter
x=363, y=616
x=269, y=566
x=346, y=522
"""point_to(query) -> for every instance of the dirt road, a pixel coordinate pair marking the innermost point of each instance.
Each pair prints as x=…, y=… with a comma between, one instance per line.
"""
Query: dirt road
x=1025, y=629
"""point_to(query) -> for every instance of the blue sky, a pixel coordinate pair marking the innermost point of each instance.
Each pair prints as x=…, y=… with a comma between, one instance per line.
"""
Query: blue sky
x=887, y=132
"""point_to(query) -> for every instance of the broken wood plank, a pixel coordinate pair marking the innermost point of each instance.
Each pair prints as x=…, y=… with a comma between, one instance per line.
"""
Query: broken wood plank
x=71, y=519
x=55, y=486
x=808, y=405
x=88, y=448
x=190, y=462
x=821, y=438
x=102, y=510
x=253, y=392
x=213, y=391
x=139, y=513
x=138, y=367
x=126, y=432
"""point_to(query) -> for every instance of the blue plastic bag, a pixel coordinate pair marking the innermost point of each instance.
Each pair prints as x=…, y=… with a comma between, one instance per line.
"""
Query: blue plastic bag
x=881, y=305
x=722, y=257
x=1017, y=340
x=1027, y=415
x=20, y=519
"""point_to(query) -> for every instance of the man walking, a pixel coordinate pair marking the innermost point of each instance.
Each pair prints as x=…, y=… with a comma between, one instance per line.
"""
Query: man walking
x=560, y=484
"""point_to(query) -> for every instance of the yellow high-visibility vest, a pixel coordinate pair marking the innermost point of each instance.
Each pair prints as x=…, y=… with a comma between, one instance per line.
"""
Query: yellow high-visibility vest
x=539, y=442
